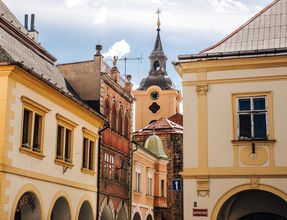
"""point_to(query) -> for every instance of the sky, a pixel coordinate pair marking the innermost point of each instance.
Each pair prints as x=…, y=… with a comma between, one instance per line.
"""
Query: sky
x=70, y=29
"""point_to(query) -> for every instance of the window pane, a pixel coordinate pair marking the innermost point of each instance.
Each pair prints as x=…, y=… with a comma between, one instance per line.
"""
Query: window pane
x=91, y=158
x=260, y=126
x=60, y=134
x=26, y=126
x=68, y=145
x=244, y=126
x=85, y=152
x=162, y=188
x=37, y=133
x=106, y=160
x=259, y=103
x=244, y=104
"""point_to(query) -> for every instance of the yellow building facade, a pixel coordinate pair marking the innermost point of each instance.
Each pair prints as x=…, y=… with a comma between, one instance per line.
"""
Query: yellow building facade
x=235, y=142
x=149, y=180
x=48, y=137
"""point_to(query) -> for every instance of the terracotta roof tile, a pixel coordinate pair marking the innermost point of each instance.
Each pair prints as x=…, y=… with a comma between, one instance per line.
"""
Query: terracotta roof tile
x=162, y=125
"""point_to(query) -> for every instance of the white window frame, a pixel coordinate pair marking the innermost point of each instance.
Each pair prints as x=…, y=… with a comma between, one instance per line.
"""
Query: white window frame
x=251, y=112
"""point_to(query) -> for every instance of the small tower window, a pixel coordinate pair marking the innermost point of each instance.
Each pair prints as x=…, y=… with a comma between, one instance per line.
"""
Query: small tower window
x=156, y=66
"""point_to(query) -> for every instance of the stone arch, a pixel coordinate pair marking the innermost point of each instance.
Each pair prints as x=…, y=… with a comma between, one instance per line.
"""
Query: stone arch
x=241, y=188
x=87, y=203
x=64, y=198
x=28, y=190
x=107, y=205
x=122, y=211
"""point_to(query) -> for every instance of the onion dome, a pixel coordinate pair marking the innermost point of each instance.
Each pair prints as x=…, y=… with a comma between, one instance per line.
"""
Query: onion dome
x=155, y=145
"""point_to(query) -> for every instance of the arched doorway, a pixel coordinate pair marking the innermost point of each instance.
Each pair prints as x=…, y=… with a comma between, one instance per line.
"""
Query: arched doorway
x=86, y=211
x=61, y=210
x=149, y=217
x=107, y=213
x=28, y=207
x=137, y=216
x=253, y=205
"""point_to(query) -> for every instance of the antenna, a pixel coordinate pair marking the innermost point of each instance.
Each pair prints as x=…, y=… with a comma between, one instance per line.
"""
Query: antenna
x=125, y=59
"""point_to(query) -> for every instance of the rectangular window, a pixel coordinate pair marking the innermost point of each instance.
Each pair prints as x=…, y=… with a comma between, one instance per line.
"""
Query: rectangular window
x=106, y=165
x=64, y=136
x=109, y=166
x=252, y=116
x=162, y=188
x=88, y=162
x=88, y=154
x=32, y=128
x=64, y=147
x=138, y=182
x=150, y=186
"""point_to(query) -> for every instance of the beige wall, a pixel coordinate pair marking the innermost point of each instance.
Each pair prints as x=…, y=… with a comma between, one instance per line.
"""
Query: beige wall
x=147, y=164
x=22, y=172
x=168, y=101
x=214, y=166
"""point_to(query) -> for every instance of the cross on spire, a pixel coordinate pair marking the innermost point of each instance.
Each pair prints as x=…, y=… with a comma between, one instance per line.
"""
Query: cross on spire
x=158, y=11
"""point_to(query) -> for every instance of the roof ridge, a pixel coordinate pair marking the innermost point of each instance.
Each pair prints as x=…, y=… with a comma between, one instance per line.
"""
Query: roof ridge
x=241, y=27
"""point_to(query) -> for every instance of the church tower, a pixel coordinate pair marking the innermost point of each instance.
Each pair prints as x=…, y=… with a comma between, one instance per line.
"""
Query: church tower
x=156, y=96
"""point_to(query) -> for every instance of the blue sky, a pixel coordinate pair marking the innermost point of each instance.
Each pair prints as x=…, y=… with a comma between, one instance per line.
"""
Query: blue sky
x=70, y=29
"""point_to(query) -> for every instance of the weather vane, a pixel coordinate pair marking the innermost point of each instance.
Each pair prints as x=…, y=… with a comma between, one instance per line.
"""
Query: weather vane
x=158, y=11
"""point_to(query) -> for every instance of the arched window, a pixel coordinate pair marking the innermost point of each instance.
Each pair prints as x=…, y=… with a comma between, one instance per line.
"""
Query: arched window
x=114, y=118
x=126, y=125
x=120, y=122
x=107, y=109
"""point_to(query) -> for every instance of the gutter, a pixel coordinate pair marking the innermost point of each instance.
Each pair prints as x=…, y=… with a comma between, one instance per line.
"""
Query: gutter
x=106, y=126
x=232, y=54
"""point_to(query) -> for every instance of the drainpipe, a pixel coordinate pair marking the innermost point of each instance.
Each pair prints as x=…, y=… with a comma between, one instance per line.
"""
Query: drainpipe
x=106, y=126
x=131, y=184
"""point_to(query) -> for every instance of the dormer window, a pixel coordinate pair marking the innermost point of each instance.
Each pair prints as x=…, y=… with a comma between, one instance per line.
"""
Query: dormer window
x=156, y=66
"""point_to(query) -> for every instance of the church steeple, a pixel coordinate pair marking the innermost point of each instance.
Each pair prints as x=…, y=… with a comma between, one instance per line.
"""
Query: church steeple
x=158, y=45
x=157, y=73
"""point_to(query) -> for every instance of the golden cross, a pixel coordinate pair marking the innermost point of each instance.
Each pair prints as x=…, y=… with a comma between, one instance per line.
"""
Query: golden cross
x=158, y=11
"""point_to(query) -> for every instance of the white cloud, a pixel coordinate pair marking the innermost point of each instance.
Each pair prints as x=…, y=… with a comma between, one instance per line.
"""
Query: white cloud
x=120, y=48
x=75, y=3
x=101, y=16
x=228, y=6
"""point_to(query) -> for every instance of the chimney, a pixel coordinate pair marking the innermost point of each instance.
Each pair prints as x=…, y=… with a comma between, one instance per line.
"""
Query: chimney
x=26, y=22
x=32, y=31
x=32, y=26
x=98, y=50
x=128, y=84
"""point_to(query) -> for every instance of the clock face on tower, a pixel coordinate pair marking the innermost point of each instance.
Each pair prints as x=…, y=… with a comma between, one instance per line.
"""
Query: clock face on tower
x=154, y=95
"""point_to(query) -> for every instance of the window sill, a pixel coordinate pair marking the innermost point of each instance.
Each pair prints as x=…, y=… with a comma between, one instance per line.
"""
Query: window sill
x=137, y=193
x=149, y=196
x=64, y=163
x=31, y=153
x=249, y=142
x=87, y=171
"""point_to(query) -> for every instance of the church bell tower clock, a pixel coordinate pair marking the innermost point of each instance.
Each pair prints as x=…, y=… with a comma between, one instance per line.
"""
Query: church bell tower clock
x=156, y=96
